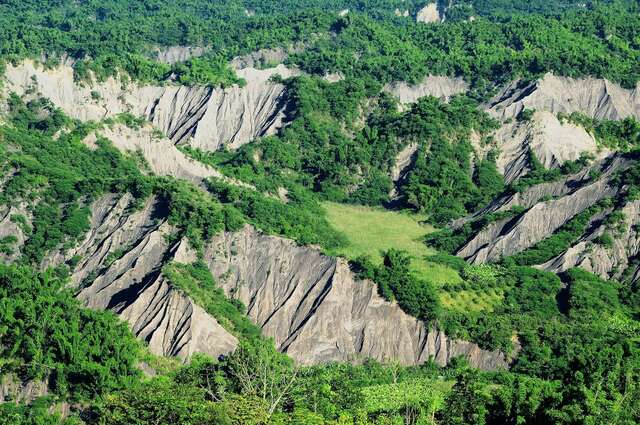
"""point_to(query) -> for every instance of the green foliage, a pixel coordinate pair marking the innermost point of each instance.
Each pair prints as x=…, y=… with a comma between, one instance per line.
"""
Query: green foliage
x=489, y=181
x=6, y=244
x=198, y=283
x=35, y=414
x=526, y=115
x=591, y=296
x=466, y=404
x=538, y=174
x=449, y=239
x=483, y=51
x=622, y=135
x=395, y=281
x=326, y=150
x=159, y=401
x=60, y=175
x=214, y=72
x=301, y=218
x=79, y=352
x=198, y=215
x=559, y=241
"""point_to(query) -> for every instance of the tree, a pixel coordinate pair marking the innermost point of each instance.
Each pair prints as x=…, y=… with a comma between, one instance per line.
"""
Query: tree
x=466, y=404
x=257, y=369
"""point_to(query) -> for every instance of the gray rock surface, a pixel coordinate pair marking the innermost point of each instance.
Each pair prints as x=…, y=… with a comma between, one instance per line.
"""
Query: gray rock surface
x=264, y=58
x=162, y=156
x=120, y=270
x=551, y=141
x=429, y=14
x=13, y=389
x=401, y=167
x=609, y=263
x=597, y=98
x=10, y=228
x=174, y=54
x=204, y=117
x=309, y=303
x=548, y=207
x=316, y=310
x=437, y=86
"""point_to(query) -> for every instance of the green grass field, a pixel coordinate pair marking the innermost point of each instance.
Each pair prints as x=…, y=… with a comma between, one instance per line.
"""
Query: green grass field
x=371, y=231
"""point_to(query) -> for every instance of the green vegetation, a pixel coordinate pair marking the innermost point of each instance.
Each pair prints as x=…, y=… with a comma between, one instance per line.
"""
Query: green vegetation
x=622, y=135
x=372, y=231
x=46, y=335
x=575, y=334
x=324, y=151
x=196, y=281
x=415, y=296
x=575, y=44
x=300, y=218
x=59, y=174
x=449, y=240
x=540, y=174
x=561, y=239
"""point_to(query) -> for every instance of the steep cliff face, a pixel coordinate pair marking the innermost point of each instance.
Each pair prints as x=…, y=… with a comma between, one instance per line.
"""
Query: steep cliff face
x=316, y=310
x=309, y=303
x=605, y=261
x=201, y=116
x=437, y=86
x=162, y=156
x=119, y=268
x=552, y=142
x=596, y=98
x=548, y=207
x=265, y=58
x=175, y=54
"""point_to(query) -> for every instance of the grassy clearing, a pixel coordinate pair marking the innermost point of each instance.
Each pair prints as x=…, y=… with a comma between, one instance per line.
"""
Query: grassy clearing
x=371, y=231
x=471, y=300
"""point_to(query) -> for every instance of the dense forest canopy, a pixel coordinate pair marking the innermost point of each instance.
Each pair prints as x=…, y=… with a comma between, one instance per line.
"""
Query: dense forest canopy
x=116, y=35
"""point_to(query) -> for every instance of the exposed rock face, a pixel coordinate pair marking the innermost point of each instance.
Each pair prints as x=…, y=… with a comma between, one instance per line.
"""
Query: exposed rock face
x=317, y=312
x=9, y=227
x=441, y=87
x=601, y=260
x=211, y=118
x=543, y=217
x=161, y=154
x=15, y=390
x=403, y=163
x=429, y=14
x=309, y=303
x=552, y=142
x=265, y=57
x=120, y=270
x=205, y=117
x=597, y=98
x=176, y=54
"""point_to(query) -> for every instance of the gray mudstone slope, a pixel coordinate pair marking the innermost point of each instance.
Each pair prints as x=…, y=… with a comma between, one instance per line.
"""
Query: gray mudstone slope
x=548, y=207
x=204, y=117
x=120, y=270
x=309, y=303
x=316, y=310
